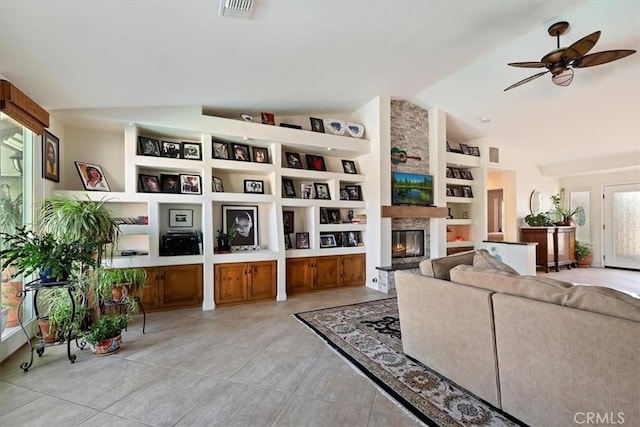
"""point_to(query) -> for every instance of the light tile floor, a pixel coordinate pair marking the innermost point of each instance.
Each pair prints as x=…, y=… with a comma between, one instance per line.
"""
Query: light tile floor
x=246, y=365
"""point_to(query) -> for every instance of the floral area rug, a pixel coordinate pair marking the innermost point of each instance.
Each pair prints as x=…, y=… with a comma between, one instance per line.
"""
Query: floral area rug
x=368, y=335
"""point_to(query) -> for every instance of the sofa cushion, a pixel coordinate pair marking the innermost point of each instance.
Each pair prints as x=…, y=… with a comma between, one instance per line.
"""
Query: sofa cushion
x=533, y=287
x=603, y=300
x=439, y=267
x=483, y=259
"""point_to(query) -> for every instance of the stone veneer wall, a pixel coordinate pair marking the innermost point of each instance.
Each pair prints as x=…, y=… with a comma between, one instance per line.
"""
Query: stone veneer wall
x=410, y=132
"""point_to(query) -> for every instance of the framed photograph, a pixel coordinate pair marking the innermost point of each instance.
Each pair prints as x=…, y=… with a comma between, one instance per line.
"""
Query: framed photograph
x=244, y=220
x=287, y=221
x=180, y=218
x=322, y=190
x=333, y=216
x=240, y=152
x=50, y=156
x=449, y=192
x=149, y=183
x=293, y=160
x=457, y=192
x=288, y=188
x=349, y=166
x=220, y=150
x=92, y=177
x=328, y=241
x=474, y=151
x=317, y=125
x=324, y=216
x=268, y=118
x=306, y=189
x=192, y=150
x=253, y=186
x=467, y=191
x=466, y=174
x=171, y=149
x=354, y=192
x=316, y=163
x=190, y=184
x=287, y=241
x=449, y=172
x=148, y=146
x=302, y=240
x=344, y=194
x=464, y=148
x=260, y=154
x=217, y=185
x=456, y=173
x=448, y=146
x=351, y=239
x=290, y=126
x=170, y=183
x=246, y=118
x=339, y=239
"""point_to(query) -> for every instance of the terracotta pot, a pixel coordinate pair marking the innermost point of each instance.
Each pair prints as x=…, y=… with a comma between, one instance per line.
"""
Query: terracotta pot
x=116, y=293
x=48, y=336
x=12, y=301
x=108, y=346
x=585, y=261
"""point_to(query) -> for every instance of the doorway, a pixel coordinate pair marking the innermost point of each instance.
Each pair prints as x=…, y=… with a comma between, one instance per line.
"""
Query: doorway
x=621, y=226
x=495, y=214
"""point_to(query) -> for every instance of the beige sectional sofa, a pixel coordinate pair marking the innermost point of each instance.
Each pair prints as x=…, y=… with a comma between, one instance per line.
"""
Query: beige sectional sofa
x=546, y=352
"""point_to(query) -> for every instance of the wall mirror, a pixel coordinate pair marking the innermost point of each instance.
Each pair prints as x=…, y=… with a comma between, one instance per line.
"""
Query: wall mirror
x=535, y=202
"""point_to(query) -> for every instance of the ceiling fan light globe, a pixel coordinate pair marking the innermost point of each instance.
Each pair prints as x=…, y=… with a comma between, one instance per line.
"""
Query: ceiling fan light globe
x=564, y=78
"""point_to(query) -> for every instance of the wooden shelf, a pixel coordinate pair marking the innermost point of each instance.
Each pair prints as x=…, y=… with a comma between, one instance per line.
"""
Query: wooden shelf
x=413, y=212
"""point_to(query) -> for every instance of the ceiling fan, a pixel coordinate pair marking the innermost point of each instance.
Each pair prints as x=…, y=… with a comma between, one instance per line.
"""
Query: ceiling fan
x=561, y=61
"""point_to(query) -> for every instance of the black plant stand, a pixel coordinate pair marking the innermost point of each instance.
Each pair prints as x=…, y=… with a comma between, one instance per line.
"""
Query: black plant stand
x=35, y=286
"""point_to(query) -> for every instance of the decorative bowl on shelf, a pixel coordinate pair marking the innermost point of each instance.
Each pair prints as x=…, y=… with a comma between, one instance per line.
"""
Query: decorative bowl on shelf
x=356, y=130
x=336, y=126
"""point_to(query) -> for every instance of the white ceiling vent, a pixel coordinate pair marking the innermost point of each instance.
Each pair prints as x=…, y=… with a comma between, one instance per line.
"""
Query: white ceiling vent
x=236, y=8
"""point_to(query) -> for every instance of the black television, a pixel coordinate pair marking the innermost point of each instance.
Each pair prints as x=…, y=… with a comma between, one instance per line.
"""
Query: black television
x=411, y=189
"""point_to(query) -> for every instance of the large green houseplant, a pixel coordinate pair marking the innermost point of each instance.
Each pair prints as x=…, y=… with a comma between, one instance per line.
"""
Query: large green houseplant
x=118, y=285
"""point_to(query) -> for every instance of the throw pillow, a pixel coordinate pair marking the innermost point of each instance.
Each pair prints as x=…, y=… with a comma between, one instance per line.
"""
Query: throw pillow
x=439, y=267
x=483, y=259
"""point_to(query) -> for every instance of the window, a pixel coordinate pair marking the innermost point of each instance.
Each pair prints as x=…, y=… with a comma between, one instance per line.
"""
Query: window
x=582, y=198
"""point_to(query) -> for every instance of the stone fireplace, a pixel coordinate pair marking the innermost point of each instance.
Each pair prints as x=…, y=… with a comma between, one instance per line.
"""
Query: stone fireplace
x=407, y=243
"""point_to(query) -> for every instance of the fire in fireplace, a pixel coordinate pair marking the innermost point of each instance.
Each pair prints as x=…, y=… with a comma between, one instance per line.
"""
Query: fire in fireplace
x=407, y=243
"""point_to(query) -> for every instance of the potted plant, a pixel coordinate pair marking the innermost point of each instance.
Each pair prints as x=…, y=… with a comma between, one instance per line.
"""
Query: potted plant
x=538, y=220
x=224, y=239
x=10, y=219
x=583, y=254
x=562, y=216
x=118, y=283
x=104, y=335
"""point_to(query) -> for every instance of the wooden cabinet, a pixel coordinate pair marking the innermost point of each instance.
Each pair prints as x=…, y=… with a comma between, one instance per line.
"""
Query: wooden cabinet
x=244, y=281
x=324, y=272
x=556, y=246
x=170, y=287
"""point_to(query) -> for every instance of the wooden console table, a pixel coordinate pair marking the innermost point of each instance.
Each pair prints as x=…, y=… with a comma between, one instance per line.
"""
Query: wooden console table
x=556, y=246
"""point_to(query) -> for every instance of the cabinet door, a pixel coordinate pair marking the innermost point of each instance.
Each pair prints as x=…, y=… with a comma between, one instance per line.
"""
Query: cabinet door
x=327, y=272
x=180, y=285
x=149, y=292
x=353, y=270
x=230, y=283
x=263, y=280
x=299, y=275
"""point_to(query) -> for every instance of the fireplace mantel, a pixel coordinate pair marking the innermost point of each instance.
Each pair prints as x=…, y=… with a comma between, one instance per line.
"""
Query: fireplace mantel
x=413, y=212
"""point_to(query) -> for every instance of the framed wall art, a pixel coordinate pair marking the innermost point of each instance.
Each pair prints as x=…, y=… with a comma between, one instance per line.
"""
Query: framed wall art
x=317, y=125
x=302, y=240
x=293, y=160
x=287, y=221
x=92, y=177
x=220, y=150
x=322, y=190
x=149, y=183
x=217, y=185
x=244, y=220
x=240, y=152
x=50, y=156
x=170, y=183
x=192, y=150
x=253, y=186
x=180, y=218
x=349, y=166
x=316, y=163
x=171, y=149
x=190, y=184
x=288, y=189
x=148, y=146
x=328, y=241
x=260, y=154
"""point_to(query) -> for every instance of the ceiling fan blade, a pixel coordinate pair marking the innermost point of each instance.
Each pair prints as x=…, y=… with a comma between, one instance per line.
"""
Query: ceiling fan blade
x=527, y=80
x=601, y=57
x=528, y=64
x=581, y=47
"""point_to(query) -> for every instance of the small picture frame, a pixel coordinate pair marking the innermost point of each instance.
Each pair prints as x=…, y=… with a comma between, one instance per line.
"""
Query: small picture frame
x=170, y=183
x=344, y=194
x=339, y=239
x=316, y=163
x=351, y=238
x=302, y=240
x=220, y=150
x=464, y=148
x=287, y=221
x=244, y=220
x=253, y=186
x=322, y=190
x=287, y=241
x=456, y=173
x=448, y=146
x=317, y=125
x=171, y=149
x=190, y=184
x=192, y=150
x=246, y=118
x=290, y=126
x=260, y=154
x=449, y=192
x=328, y=241
x=148, y=146
x=333, y=216
x=466, y=174
x=354, y=192
x=149, y=183
x=288, y=188
x=268, y=118
x=349, y=166
x=294, y=161
x=92, y=177
x=474, y=151
x=306, y=190
x=218, y=187
x=467, y=191
x=449, y=172
x=457, y=192
x=324, y=216
x=240, y=152
x=180, y=218
x=50, y=156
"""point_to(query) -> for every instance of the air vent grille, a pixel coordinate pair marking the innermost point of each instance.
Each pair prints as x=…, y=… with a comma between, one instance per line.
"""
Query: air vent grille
x=494, y=155
x=236, y=8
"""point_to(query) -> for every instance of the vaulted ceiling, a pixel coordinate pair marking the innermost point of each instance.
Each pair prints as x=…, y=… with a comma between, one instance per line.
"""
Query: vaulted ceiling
x=303, y=57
